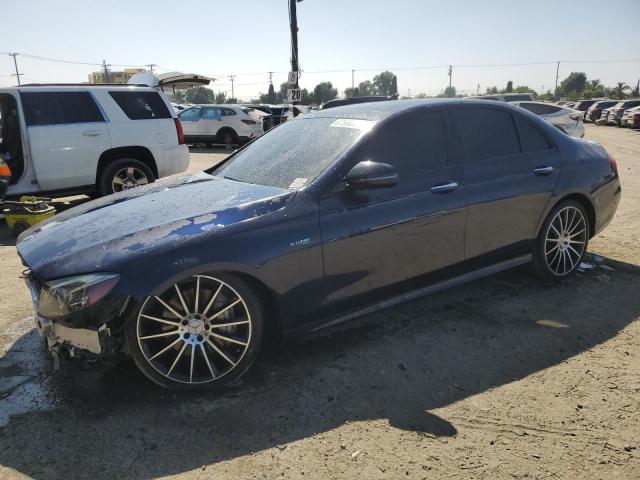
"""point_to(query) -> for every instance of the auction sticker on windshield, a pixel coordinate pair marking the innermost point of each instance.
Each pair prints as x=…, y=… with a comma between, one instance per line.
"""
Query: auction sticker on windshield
x=352, y=123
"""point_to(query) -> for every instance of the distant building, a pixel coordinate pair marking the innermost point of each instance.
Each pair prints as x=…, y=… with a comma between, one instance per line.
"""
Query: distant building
x=114, y=76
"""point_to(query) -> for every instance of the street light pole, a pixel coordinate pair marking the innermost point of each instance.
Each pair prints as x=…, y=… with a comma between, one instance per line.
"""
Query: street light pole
x=293, y=23
x=15, y=64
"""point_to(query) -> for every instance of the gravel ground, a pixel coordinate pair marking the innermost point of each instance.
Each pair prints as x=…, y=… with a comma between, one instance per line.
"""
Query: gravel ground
x=503, y=378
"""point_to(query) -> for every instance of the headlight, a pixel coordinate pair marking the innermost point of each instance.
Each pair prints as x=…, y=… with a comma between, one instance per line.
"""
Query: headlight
x=67, y=295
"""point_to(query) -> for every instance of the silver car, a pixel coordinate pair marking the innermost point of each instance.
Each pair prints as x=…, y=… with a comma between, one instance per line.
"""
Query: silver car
x=566, y=119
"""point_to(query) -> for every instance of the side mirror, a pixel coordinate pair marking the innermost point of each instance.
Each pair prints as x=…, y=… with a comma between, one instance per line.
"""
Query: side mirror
x=368, y=174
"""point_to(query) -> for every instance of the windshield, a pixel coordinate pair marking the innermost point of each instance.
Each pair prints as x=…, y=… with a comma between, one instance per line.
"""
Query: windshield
x=295, y=153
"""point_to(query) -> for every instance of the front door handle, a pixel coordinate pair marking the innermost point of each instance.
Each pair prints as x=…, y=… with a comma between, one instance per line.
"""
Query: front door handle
x=542, y=171
x=91, y=133
x=444, y=187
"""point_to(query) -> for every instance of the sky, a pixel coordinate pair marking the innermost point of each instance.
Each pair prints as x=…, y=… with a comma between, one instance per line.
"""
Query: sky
x=416, y=39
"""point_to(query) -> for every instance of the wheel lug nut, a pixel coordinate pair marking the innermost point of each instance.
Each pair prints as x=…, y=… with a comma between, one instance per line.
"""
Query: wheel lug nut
x=186, y=335
x=200, y=338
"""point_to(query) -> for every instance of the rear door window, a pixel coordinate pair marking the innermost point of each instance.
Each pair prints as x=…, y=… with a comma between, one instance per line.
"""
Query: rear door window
x=211, y=114
x=59, y=108
x=141, y=105
x=486, y=133
x=531, y=137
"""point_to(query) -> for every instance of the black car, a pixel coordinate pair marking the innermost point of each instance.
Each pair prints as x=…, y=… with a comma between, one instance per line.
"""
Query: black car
x=595, y=111
x=332, y=215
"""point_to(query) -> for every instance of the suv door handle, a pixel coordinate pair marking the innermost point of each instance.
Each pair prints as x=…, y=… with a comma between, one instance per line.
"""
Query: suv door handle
x=92, y=133
x=444, y=187
x=542, y=171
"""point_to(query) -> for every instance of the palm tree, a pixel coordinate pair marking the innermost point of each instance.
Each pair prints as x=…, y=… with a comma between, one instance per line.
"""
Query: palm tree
x=619, y=89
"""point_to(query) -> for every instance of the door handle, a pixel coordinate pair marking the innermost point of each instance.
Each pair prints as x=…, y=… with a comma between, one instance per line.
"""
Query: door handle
x=444, y=187
x=91, y=133
x=542, y=171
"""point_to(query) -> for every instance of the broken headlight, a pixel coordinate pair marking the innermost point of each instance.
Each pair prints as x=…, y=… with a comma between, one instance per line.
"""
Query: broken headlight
x=67, y=295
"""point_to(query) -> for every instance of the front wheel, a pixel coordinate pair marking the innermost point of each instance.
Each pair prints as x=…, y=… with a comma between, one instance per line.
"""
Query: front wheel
x=204, y=331
x=562, y=241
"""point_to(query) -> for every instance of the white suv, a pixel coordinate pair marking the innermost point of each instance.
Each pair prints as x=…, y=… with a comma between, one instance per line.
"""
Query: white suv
x=64, y=139
x=227, y=124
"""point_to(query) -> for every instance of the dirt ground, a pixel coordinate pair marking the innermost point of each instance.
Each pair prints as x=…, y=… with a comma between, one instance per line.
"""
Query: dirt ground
x=503, y=378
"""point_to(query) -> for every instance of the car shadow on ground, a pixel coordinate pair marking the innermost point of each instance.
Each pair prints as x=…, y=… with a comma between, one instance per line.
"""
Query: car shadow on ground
x=398, y=365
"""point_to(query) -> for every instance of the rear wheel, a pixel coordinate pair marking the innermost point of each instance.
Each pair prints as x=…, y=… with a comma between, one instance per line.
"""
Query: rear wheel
x=202, y=332
x=123, y=174
x=562, y=241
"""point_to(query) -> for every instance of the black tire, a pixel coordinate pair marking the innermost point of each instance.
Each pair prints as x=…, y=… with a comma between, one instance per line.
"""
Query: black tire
x=558, y=258
x=107, y=177
x=20, y=227
x=143, y=354
x=228, y=137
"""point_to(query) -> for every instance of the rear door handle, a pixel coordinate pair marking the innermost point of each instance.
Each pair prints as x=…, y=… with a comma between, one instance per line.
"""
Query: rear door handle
x=444, y=187
x=542, y=171
x=91, y=133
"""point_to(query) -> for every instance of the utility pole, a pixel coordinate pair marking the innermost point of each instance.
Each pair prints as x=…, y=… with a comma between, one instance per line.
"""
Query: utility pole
x=105, y=71
x=15, y=64
x=232, y=77
x=293, y=23
x=555, y=92
x=409, y=93
x=151, y=65
x=478, y=90
x=353, y=83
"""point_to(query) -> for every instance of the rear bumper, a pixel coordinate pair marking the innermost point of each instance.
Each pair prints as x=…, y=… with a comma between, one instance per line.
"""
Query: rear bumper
x=171, y=159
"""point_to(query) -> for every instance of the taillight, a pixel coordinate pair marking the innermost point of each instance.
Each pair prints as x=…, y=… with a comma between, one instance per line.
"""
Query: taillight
x=618, y=110
x=249, y=122
x=636, y=117
x=574, y=116
x=612, y=162
x=179, y=131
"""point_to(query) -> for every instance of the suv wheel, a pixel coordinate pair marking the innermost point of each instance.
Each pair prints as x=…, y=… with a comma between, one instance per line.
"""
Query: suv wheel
x=123, y=174
x=204, y=331
x=229, y=138
x=562, y=241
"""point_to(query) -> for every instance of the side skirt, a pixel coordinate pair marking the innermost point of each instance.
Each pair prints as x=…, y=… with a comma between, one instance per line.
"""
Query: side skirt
x=428, y=290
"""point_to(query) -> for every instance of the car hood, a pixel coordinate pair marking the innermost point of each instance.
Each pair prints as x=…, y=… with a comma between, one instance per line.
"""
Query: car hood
x=97, y=234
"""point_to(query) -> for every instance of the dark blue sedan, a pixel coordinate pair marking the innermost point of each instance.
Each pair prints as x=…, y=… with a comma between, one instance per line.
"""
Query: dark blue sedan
x=327, y=217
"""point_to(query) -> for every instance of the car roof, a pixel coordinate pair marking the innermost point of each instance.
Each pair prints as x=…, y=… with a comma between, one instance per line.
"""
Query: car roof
x=376, y=111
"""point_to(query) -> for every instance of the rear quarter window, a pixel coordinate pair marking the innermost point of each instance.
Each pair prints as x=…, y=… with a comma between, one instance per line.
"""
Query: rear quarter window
x=531, y=137
x=59, y=108
x=141, y=105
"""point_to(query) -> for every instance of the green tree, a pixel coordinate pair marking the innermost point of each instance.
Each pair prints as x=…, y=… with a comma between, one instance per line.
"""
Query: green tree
x=492, y=90
x=199, y=95
x=179, y=96
x=220, y=97
x=305, y=97
x=281, y=95
x=636, y=91
x=619, y=89
x=323, y=92
x=573, y=85
x=385, y=83
x=509, y=88
x=450, y=92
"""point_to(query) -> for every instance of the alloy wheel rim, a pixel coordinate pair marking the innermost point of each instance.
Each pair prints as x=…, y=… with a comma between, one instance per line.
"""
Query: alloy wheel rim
x=197, y=331
x=128, y=177
x=565, y=240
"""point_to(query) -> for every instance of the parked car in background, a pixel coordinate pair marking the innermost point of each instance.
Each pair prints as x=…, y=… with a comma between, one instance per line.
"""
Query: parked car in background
x=604, y=116
x=83, y=138
x=615, y=112
x=595, y=110
x=319, y=221
x=563, y=118
x=631, y=118
x=505, y=97
x=226, y=124
x=583, y=105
